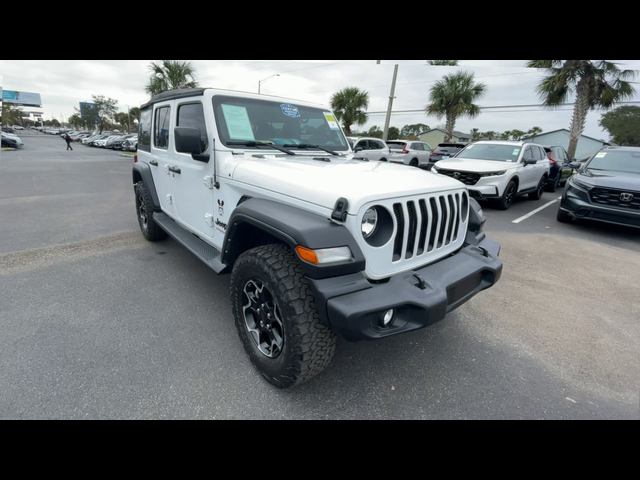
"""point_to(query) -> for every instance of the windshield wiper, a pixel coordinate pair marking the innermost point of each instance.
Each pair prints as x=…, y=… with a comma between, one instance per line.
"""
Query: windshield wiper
x=261, y=144
x=306, y=146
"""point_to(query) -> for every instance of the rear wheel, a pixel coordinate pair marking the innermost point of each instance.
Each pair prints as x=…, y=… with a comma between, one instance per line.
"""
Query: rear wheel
x=554, y=185
x=277, y=317
x=414, y=162
x=537, y=195
x=384, y=160
x=144, y=210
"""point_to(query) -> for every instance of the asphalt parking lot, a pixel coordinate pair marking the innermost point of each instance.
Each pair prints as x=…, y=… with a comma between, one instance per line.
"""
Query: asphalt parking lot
x=97, y=323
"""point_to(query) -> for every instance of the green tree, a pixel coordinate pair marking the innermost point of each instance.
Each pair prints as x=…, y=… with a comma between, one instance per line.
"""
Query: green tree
x=534, y=132
x=170, y=75
x=394, y=133
x=444, y=63
x=350, y=106
x=11, y=115
x=596, y=84
x=506, y=135
x=375, y=132
x=414, y=130
x=123, y=120
x=475, y=133
x=453, y=97
x=76, y=120
x=105, y=110
x=623, y=125
x=517, y=135
x=490, y=134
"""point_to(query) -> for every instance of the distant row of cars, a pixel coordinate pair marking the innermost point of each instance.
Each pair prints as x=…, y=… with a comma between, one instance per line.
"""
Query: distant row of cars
x=112, y=141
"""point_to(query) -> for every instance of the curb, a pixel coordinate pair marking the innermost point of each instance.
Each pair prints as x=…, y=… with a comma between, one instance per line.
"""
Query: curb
x=126, y=156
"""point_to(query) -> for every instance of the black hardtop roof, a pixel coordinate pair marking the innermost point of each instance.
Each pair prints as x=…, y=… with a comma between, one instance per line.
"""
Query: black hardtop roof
x=174, y=94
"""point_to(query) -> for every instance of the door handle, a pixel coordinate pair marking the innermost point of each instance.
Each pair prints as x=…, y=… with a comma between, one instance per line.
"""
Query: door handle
x=175, y=170
x=153, y=163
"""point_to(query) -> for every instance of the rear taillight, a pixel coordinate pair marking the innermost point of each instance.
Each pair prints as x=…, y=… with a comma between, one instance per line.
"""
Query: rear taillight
x=405, y=151
x=135, y=159
x=433, y=154
x=552, y=160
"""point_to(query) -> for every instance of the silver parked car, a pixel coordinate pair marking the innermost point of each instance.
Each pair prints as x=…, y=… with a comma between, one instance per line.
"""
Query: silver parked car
x=409, y=152
x=372, y=148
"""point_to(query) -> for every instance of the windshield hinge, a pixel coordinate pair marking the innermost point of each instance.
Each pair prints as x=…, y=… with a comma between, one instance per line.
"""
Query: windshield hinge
x=341, y=211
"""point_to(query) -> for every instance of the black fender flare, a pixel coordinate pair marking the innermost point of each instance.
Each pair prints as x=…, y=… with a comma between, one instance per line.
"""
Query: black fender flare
x=293, y=227
x=142, y=173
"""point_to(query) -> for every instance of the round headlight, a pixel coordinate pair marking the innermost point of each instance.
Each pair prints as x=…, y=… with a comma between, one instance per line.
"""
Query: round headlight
x=369, y=222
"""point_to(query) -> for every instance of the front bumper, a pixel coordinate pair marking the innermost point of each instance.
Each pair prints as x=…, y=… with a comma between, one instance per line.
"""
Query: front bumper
x=354, y=307
x=576, y=203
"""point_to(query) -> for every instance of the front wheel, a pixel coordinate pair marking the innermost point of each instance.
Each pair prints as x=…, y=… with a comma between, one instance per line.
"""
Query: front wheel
x=537, y=195
x=277, y=317
x=509, y=197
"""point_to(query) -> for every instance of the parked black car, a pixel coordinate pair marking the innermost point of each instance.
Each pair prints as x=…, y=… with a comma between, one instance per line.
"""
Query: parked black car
x=606, y=188
x=444, y=151
x=560, y=168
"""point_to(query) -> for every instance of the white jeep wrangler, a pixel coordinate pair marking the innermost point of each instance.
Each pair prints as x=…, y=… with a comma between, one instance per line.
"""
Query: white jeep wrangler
x=319, y=241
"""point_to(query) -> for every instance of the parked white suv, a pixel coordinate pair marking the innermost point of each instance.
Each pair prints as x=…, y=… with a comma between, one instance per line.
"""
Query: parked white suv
x=500, y=171
x=371, y=148
x=408, y=152
x=318, y=240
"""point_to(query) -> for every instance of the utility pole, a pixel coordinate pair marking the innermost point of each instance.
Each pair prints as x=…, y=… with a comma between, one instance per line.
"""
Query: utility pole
x=391, y=98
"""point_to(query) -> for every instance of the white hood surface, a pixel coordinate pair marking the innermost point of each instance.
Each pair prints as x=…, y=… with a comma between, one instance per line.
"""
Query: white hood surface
x=476, y=166
x=323, y=183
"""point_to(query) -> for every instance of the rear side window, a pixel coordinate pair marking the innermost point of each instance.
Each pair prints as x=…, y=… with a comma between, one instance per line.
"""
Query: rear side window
x=396, y=145
x=161, y=128
x=417, y=146
x=144, y=142
x=192, y=115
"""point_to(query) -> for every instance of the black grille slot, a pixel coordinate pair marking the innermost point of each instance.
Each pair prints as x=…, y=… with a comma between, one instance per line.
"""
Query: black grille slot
x=413, y=229
x=468, y=178
x=443, y=224
x=614, y=198
x=452, y=218
x=423, y=227
x=397, y=246
x=456, y=224
x=434, y=225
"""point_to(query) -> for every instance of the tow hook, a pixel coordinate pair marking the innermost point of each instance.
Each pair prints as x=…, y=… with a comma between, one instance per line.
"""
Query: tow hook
x=422, y=284
x=485, y=252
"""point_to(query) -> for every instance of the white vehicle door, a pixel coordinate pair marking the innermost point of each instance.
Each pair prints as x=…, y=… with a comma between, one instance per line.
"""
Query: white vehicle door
x=192, y=180
x=364, y=145
x=376, y=150
x=529, y=177
x=160, y=160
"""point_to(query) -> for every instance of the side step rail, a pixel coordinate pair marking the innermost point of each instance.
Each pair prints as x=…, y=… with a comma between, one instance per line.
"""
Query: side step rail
x=205, y=252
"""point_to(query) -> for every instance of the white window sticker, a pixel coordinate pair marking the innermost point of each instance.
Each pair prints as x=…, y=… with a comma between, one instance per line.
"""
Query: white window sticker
x=331, y=120
x=601, y=155
x=516, y=152
x=238, y=123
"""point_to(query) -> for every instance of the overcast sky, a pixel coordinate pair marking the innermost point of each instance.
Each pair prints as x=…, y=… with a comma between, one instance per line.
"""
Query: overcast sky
x=65, y=83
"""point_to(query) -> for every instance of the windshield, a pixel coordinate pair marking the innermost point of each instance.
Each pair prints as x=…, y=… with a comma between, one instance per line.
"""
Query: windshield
x=488, y=151
x=266, y=121
x=620, y=161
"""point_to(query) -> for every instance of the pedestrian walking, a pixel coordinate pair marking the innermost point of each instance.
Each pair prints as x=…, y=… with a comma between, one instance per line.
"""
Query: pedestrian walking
x=67, y=138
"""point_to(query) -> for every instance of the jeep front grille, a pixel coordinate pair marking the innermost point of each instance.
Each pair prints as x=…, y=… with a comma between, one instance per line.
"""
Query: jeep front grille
x=426, y=225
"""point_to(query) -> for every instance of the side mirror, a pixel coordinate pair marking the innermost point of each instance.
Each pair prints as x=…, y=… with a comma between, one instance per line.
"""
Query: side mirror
x=358, y=149
x=530, y=162
x=188, y=141
x=575, y=164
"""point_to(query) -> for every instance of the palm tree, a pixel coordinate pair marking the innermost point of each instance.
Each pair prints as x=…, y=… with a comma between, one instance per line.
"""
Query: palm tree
x=350, y=106
x=443, y=63
x=596, y=83
x=517, y=134
x=506, y=135
x=454, y=97
x=534, y=132
x=475, y=134
x=490, y=135
x=171, y=75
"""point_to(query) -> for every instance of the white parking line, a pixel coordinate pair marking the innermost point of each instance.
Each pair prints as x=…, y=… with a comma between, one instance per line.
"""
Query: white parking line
x=537, y=210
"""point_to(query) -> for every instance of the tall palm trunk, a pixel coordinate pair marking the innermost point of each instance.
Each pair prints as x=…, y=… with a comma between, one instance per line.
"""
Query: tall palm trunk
x=451, y=125
x=580, y=112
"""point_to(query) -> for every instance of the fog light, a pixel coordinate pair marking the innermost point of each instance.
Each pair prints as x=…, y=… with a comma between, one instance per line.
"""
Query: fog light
x=388, y=317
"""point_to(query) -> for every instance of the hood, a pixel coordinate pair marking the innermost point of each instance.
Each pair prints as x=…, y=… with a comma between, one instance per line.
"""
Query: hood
x=615, y=180
x=323, y=183
x=477, y=166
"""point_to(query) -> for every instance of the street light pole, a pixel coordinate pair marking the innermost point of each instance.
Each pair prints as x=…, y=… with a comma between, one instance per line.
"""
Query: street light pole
x=264, y=81
x=391, y=98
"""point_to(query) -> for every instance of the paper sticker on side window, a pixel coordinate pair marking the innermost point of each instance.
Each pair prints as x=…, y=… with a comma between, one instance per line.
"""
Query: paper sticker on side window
x=331, y=120
x=238, y=123
x=290, y=110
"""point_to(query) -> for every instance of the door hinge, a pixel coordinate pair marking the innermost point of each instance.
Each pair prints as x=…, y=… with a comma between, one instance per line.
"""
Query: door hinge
x=169, y=199
x=209, y=219
x=208, y=182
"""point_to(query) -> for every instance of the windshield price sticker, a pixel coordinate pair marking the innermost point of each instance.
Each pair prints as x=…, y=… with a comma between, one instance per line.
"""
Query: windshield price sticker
x=601, y=155
x=238, y=122
x=290, y=110
x=516, y=152
x=331, y=120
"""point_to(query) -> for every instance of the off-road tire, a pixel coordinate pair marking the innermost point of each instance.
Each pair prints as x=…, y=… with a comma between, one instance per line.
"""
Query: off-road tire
x=564, y=217
x=542, y=186
x=150, y=230
x=309, y=344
